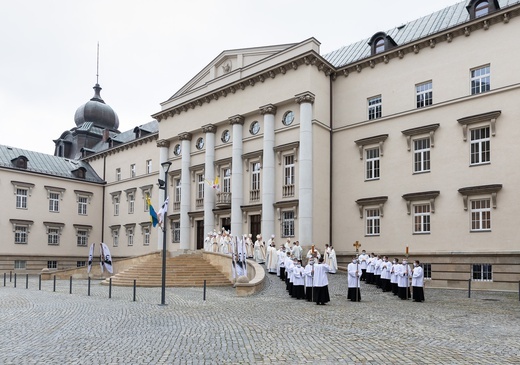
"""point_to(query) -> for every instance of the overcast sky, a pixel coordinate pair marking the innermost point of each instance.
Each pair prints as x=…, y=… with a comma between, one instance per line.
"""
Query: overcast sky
x=150, y=49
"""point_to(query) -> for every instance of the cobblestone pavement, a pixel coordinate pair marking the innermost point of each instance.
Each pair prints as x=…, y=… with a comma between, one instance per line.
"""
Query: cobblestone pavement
x=46, y=327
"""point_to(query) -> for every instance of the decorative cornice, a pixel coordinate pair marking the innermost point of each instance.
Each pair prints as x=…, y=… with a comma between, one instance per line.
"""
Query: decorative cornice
x=427, y=129
x=377, y=200
x=185, y=136
x=423, y=195
x=236, y=119
x=209, y=128
x=380, y=139
x=306, y=97
x=268, y=109
x=163, y=143
x=490, y=117
x=121, y=147
x=479, y=190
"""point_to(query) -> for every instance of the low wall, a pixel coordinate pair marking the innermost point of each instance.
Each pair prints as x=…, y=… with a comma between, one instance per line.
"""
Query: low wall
x=255, y=273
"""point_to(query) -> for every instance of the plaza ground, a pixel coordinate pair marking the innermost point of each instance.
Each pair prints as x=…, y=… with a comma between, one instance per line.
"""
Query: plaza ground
x=46, y=327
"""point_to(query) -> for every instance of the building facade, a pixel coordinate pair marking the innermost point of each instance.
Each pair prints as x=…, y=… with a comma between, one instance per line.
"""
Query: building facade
x=402, y=142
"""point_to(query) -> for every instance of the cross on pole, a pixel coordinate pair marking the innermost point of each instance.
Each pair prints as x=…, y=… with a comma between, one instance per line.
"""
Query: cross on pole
x=357, y=245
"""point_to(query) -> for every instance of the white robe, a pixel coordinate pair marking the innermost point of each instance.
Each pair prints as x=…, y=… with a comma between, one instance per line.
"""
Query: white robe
x=308, y=276
x=333, y=262
x=298, y=275
x=363, y=261
x=271, y=259
x=418, y=276
x=309, y=254
x=320, y=275
x=385, y=270
x=297, y=252
x=354, y=273
x=259, y=252
x=403, y=276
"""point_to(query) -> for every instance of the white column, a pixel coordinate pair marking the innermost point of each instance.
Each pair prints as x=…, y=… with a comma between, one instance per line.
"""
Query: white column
x=185, y=139
x=209, y=174
x=237, y=176
x=268, y=171
x=305, y=184
x=163, y=157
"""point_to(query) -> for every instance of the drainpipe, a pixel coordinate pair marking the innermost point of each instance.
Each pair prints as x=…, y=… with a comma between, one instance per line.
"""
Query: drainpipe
x=330, y=159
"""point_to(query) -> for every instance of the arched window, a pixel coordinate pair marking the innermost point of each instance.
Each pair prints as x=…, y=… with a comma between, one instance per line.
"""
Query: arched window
x=380, y=45
x=481, y=9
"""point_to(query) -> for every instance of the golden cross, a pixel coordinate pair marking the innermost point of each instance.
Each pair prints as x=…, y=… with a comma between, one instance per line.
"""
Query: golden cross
x=357, y=245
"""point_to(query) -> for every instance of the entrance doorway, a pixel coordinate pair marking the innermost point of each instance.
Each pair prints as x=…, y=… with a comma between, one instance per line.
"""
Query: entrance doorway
x=255, y=226
x=200, y=235
x=226, y=224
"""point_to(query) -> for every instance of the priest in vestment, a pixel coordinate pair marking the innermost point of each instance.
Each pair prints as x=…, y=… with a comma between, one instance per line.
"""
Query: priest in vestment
x=333, y=261
x=259, y=252
x=271, y=259
x=354, y=281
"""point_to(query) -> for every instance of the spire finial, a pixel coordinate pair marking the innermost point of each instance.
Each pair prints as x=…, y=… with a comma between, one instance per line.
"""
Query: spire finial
x=97, y=67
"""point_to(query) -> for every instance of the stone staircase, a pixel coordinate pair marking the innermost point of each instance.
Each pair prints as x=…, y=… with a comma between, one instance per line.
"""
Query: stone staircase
x=189, y=270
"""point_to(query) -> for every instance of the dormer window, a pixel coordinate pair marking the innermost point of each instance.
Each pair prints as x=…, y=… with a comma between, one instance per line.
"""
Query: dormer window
x=20, y=162
x=380, y=46
x=479, y=8
x=137, y=132
x=381, y=42
x=80, y=173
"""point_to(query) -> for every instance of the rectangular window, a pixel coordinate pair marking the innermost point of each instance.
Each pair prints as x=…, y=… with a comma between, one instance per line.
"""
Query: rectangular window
x=20, y=234
x=118, y=174
x=82, y=205
x=372, y=222
x=52, y=264
x=200, y=186
x=427, y=269
x=81, y=237
x=130, y=234
x=115, y=238
x=481, y=215
x=116, y=205
x=177, y=196
x=372, y=164
x=176, y=232
x=131, y=203
x=421, y=217
x=421, y=157
x=132, y=170
x=480, y=80
x=424, y=94
x=148, y=166
x=146, y=240
x=226, y=181
x=21, y=198
x=20, y=264
x=81, y=263
x=482, y=272
x=480, y=146
x=54, y=202
x=53, y=236
x=288, y=223
x=255, y=176
x=288, y=168
x=375, y=106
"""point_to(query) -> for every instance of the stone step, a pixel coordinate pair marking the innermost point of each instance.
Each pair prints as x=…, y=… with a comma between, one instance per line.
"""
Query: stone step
x=188, y=270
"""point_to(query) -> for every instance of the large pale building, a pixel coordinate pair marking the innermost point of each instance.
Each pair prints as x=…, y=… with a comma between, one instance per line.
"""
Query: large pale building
x=402, y=141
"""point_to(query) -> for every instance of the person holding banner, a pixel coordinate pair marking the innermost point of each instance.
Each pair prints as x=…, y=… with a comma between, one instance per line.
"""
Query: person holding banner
x=403, y=281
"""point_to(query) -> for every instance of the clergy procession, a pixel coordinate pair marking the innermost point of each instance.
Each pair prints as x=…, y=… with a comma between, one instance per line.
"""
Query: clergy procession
x=310, y=281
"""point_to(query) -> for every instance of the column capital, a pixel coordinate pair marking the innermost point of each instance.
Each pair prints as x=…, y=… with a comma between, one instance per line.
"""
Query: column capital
x=185, y=136
x=306, y=97
x=163, y=143
x=209, y=128
x=268, y=109
x=236, y=119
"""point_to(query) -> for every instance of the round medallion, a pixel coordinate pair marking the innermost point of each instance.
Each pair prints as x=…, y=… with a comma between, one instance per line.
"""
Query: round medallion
x=254, y=128
x=177, y=150
x=288, y=118
x=200, y=143
x=225, y=136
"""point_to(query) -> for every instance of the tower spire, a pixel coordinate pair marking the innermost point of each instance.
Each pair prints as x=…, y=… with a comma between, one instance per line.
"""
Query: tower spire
x=97, y=66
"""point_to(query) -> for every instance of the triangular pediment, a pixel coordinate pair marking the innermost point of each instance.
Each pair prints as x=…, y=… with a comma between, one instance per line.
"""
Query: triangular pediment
x=229, y=63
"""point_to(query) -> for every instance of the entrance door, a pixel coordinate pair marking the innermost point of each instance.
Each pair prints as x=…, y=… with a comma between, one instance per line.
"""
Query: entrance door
x=200, y=235
x=256, y=225
x=226, y=224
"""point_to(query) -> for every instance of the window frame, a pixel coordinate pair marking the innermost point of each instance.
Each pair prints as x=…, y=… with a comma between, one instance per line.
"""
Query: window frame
x=21, y=198
x=480, y=79
x=372, y=222
x=480, y=217
x=148, y=167
x=82, y=237
x=422, y=219
x=21, y=234
x=375, y=107
x=484, y=272
x=53, y=236
x=424, y=94
x=421, y=155
x=82, y=205
x=372, y=164
x=176, y=231
x=287, y=228
x=133, y=171
x=480, y=147
x=118, y=174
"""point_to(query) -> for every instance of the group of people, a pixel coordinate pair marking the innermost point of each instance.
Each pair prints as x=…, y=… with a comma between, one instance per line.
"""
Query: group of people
x=309, y=282
x=396, y=277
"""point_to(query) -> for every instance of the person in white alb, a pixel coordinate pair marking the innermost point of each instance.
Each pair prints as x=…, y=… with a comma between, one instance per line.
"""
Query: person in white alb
x=363, y=264
x=333, y=261
x=403, y=281
x=321, y=282
x=271, y=259
x=418, y=282
x=259, y=252
x=354, y=276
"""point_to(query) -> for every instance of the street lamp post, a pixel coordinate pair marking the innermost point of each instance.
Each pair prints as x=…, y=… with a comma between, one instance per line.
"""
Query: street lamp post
x=163, y=185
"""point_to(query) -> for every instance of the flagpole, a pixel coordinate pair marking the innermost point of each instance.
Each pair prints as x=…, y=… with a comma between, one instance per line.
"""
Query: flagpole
x=166, y=167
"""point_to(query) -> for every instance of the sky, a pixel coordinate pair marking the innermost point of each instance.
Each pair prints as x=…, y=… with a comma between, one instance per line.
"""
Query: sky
x=149, y=49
